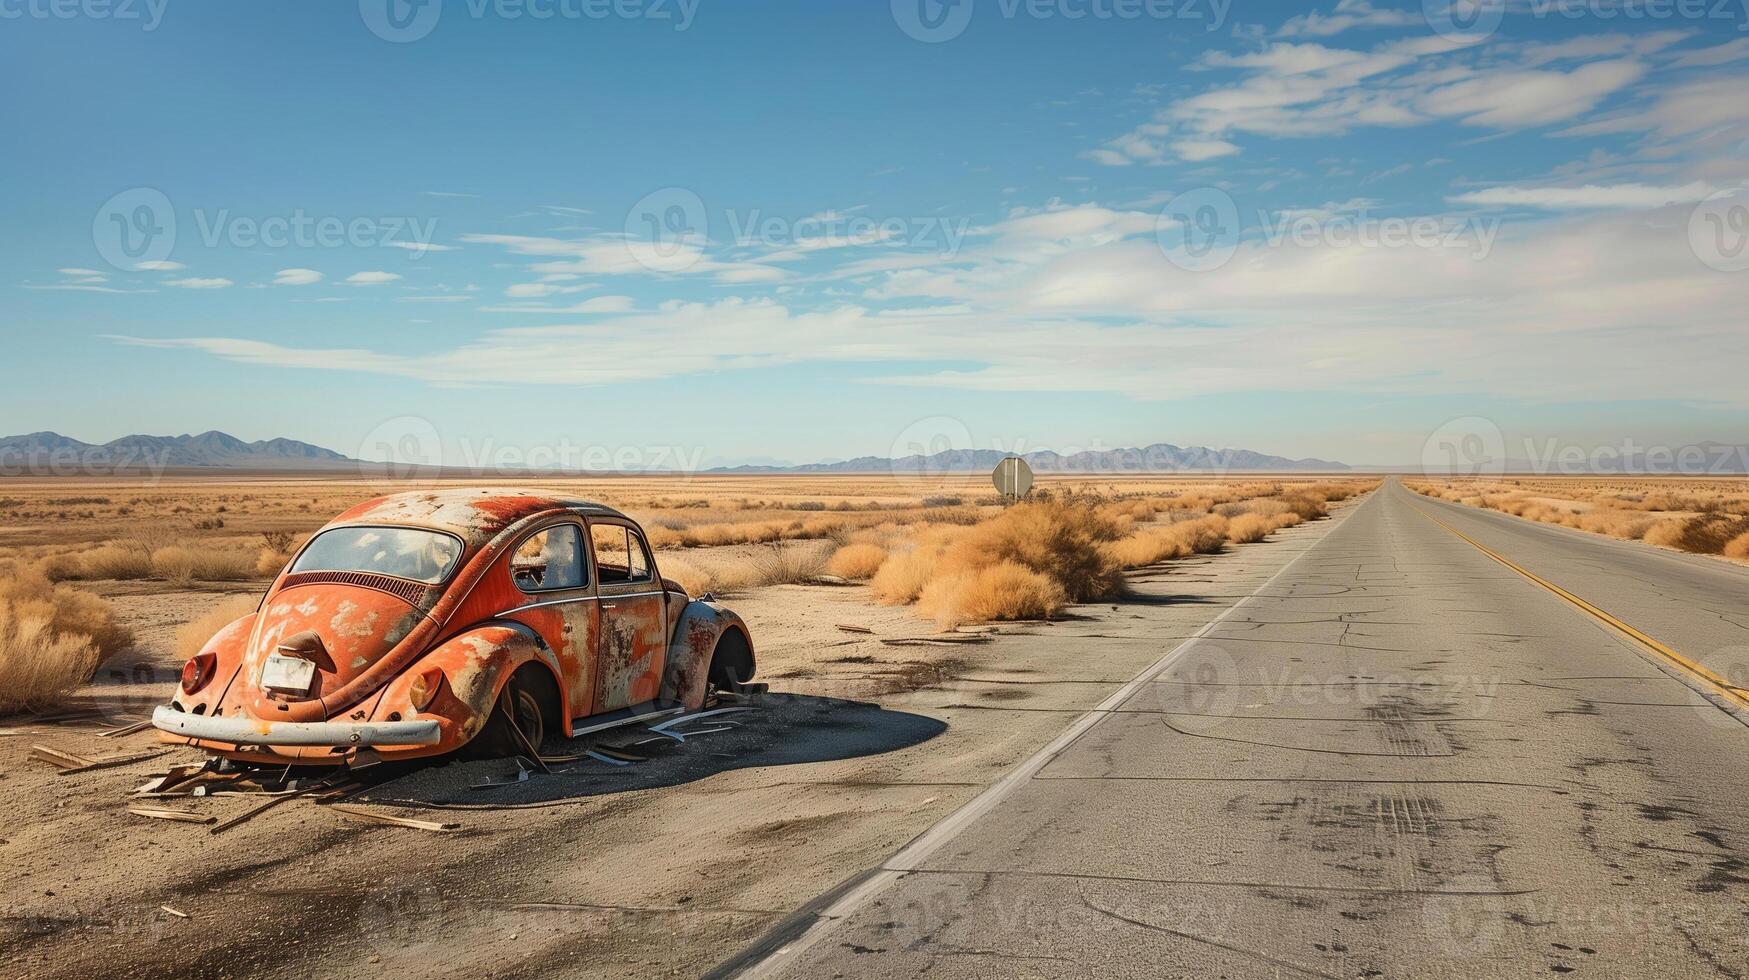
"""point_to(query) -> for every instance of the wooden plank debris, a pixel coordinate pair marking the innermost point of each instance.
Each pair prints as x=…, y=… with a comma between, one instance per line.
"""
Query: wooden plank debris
x=853, y=628
x=372, y=816
x=176, y=912
x=179, y=816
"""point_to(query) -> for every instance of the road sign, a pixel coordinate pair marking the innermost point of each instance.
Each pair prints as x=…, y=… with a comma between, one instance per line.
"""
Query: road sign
x=1012, y=477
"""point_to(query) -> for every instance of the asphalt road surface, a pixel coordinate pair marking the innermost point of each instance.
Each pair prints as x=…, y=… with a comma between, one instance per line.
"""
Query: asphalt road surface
x=1402, y=757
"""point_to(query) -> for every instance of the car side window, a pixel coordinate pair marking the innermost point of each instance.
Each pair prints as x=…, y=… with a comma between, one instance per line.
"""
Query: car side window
x=550, y=560
x=619, y=554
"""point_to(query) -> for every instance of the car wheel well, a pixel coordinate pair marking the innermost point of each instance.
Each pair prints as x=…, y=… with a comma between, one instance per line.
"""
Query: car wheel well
x=732, y=661
x=537, y=678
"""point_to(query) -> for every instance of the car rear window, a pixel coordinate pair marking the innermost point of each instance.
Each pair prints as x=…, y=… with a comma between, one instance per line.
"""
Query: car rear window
x=404, y=552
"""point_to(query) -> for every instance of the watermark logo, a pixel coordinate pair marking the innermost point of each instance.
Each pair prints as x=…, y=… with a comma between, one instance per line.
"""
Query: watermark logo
x=1466, y=20
x=400, y=448
x=1731, y=666
x=149, y=13
x=1468, y=446
x=667, y=229
x=1199, y=229
x=400, y=21
x=1718, y=231
x=935, y=21
x=133, y=227
x=917, y=453
x=932, y=21
x=1466, y=917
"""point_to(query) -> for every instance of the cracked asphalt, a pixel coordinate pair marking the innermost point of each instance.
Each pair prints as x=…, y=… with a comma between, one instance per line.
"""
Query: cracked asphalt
x=1398, y=758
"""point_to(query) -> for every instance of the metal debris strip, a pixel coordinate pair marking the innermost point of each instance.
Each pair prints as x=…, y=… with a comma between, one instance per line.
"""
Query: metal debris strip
x=372, y=816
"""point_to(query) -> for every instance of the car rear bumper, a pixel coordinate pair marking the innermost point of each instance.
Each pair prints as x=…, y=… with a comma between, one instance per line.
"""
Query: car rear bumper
x=246, y=731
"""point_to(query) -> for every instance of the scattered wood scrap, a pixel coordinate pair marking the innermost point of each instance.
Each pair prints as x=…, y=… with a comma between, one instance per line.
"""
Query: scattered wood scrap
x=372, y=816
x=166, y=813
x=853, y=628
x=830, y=580
x=940, y=639
x=57, y=757
x=126, y=730
x=176, y=912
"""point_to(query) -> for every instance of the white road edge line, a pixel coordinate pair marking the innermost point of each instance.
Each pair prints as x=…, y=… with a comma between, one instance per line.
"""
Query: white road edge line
x=922, y=846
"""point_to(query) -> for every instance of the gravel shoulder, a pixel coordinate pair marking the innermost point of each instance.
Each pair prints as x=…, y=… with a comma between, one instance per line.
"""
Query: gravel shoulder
x=663, y=867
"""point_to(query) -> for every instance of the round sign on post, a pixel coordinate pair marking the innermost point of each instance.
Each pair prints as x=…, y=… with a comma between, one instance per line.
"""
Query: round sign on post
x=1013, y=478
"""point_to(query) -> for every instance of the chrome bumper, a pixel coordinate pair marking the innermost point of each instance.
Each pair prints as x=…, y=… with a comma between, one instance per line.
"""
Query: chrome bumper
x=246, y=731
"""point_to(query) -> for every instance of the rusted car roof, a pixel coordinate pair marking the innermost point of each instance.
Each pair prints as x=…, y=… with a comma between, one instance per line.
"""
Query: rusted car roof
x=475, y=514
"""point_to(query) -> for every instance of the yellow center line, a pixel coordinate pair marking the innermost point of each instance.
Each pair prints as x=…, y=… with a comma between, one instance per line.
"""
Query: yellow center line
x=1726, y=690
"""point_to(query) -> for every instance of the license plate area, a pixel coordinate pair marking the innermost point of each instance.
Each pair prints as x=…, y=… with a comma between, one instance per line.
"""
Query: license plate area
x=288, y=675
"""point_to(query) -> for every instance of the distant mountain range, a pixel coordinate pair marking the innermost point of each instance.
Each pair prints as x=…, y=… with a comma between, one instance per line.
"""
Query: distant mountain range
x=1160, y=457
x=51, y=450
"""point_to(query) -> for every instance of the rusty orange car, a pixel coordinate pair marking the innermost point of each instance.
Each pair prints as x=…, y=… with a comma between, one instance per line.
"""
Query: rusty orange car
x=428, y=622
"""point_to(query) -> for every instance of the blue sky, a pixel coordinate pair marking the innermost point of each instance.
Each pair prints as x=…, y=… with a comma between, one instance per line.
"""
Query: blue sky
x=714, y=232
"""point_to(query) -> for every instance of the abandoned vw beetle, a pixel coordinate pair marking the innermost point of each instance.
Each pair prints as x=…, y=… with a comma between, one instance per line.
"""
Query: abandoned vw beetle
x=419, y=623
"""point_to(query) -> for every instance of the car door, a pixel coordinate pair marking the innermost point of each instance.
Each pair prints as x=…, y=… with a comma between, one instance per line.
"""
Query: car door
x=549, y=566
x=632, y=638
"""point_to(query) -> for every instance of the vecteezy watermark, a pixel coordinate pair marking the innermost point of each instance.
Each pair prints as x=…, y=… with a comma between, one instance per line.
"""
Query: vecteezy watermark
x=1473, y=446
x=403, y=21
x=935, y=21
x=138, y=228
x=72, y=461
x=411, y=447
x=1200, y=230
x=1473, y=20
x=667, y=230
x=1718, y=231
x=148, y=13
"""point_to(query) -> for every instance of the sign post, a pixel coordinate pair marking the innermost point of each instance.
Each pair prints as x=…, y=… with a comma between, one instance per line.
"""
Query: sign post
x=1012, y=477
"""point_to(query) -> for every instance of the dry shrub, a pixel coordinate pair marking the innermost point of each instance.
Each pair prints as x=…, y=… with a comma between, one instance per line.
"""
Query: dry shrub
x=193, y=635
x=115, y=560
x=775, y=564
x=1704, y=535
x=1005, y=590
x=902, y=576
x=52, y=638
x=1198, y=536
x=1738, y=547
x=1247, y=528
x=181, y=564
x=689, y=576
x=1063, y=539
x=1665, y=533
x=857, y=561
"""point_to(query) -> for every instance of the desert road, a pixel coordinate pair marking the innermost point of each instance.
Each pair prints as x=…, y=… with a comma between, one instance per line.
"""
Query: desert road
x=1411, y=753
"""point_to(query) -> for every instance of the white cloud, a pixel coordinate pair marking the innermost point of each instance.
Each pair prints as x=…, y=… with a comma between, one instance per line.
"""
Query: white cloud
x=81, y=272
x=296, y=277
x=159, y=265
x=421, y=247
x=194, y=283
x=1629, y=196
x=1110, y=158
x=1199, y=150
x=1718, y=54
x=610, y=255
x=371, y=278
x=1293, y=90
x=1349, y=15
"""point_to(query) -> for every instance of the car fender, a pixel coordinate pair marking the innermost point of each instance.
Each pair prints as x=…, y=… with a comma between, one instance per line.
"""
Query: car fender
x=702, y=623
x=228, y=646
x=475, y=666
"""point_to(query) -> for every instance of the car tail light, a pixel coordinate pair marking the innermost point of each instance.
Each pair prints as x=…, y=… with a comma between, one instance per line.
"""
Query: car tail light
x=424, y=689
x=198, y=671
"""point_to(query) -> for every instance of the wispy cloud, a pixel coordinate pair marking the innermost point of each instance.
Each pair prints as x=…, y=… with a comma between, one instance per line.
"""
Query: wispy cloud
x=199, y=283
x=371, y=278
x=296, y=277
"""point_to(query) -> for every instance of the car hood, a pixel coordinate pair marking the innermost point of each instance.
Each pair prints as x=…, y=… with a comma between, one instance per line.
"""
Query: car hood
x=355, y=627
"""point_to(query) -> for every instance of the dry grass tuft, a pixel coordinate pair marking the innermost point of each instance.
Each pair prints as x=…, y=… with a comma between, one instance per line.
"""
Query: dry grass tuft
x=193, y=635
x=1005, y=590
x=181, y=565
x=1198, y=536
x=52, y=638
x=857, y=561
x=1738, y=547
